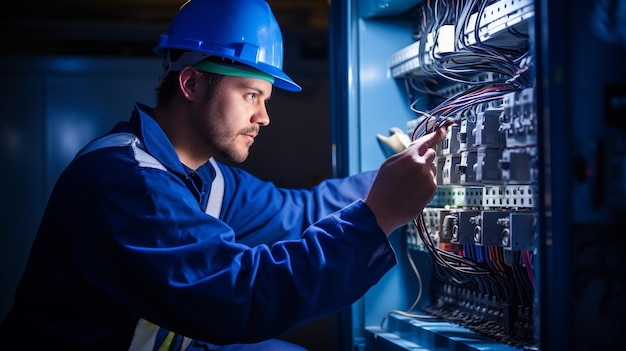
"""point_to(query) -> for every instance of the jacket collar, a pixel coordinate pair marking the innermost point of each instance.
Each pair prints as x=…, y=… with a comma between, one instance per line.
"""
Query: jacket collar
x=154, y=138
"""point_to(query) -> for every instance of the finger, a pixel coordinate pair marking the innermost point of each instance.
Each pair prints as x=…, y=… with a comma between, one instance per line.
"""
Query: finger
x=429, y=155
x=430, y=140
x=445, y=123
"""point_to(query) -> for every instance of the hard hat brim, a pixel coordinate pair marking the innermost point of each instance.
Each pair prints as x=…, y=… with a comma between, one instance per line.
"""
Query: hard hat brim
x=282, y=81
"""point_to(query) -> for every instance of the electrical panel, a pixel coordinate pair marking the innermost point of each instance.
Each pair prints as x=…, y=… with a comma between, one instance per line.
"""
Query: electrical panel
x=520, y=247
x=472, y=65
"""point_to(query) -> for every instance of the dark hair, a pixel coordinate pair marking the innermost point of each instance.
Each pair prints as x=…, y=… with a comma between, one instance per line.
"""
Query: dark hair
x=167, y=89
x=169, y=86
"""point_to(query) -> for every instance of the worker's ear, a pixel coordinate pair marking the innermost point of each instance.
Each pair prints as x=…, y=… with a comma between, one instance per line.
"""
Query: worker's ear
x=189, y=80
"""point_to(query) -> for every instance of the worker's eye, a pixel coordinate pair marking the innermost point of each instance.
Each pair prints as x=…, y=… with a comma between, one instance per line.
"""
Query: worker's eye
x=251, y=96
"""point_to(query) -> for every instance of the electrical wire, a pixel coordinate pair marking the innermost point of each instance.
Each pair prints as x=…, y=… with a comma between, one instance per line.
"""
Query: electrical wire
x=451, y=108
x=449, y=260
x=407, y=312
x=462, y=64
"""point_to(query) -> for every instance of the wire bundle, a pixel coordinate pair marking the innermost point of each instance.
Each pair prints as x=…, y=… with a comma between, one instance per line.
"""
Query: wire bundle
x=454, y=262
x=509, y=65
x=453, y=108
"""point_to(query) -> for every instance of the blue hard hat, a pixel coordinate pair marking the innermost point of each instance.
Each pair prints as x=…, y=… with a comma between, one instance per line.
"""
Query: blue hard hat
x=243, y=31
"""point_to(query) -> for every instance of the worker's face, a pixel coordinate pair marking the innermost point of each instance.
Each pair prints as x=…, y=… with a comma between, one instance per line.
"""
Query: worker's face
x=231, y=120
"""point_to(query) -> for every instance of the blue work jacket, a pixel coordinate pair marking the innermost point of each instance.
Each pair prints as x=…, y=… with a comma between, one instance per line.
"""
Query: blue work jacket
x=126, y=237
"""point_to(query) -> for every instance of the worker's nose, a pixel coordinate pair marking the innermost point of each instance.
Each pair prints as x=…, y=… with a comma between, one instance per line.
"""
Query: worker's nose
x=262, y=117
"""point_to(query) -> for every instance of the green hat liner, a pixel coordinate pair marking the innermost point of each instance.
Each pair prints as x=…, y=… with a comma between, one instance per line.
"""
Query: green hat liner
x=234, y=70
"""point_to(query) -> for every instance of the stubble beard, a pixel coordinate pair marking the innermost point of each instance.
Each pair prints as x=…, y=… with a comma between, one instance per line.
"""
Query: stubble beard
x=228, y=150
x=219, y=142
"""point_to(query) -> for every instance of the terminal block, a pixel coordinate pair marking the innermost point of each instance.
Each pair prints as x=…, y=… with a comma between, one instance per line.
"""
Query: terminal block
x=490, y=232
x=519, y=118
x=488, y=132
x=467, y=134
x=488, y=165
x=518, y=231
x=461, y=226
x=519, y=165
x=510, y=197
x=456, y=196
x=448, y=169
x=467, y=168
x=450, y=144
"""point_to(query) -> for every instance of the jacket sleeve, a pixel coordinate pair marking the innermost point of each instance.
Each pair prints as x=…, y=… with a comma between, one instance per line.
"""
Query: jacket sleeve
x=183, y=270
x=273, y=213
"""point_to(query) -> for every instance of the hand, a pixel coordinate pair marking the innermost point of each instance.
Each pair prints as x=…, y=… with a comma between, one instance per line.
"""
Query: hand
x=405, y=183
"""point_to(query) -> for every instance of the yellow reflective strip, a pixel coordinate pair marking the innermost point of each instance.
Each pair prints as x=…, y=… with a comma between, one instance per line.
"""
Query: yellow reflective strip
x=165, y=346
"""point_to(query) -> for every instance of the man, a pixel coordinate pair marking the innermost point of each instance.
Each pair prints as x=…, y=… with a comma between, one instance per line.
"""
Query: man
x=149, y=243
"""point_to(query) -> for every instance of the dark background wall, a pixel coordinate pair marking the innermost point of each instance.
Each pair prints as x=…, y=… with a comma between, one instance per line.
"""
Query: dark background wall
x=70, y=69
